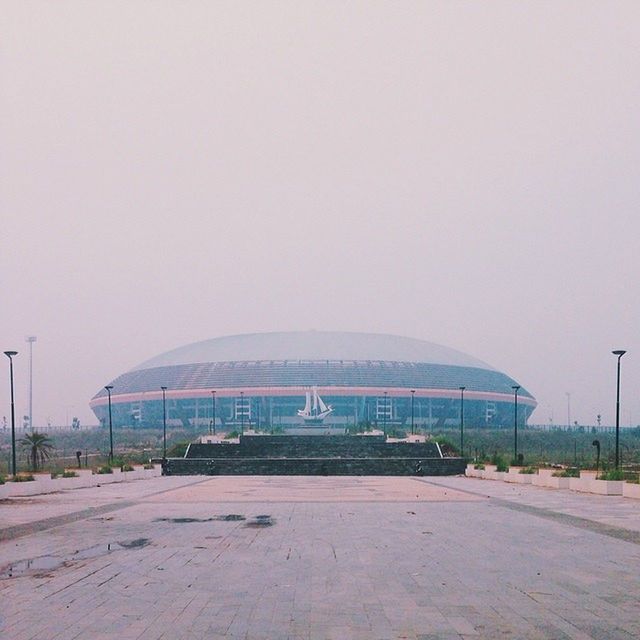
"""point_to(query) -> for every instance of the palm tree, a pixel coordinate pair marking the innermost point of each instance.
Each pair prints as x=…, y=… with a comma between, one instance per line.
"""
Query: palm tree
x=37, y=447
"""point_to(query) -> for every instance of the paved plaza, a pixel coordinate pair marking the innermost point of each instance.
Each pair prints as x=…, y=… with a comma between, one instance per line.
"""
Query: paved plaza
x=319, y=558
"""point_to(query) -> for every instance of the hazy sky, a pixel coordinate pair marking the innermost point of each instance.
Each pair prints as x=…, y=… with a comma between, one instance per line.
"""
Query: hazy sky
x=466, y=173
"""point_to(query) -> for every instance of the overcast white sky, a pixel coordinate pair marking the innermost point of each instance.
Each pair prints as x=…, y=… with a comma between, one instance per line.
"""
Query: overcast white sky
x=466, y=173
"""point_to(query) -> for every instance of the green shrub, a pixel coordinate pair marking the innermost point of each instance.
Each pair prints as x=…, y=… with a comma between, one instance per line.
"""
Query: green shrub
x=126, y=467
x=69, y=474
x=104, y=470
x=499, y=462
x=231, y=434
x=177, y=450
x=479, y=466
x=1, y=479
x=149, y=466
x=25, y=477
x=567, y=473
x=54, y=475
x=528, y=470
x=614, y=474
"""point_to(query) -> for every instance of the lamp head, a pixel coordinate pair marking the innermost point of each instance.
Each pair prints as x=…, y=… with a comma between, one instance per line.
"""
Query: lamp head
x=516, y=387
x=31, y=338
x=462, y=388
x=10, y=354
x=109, y=387
x=619, y=352
x=164, y=388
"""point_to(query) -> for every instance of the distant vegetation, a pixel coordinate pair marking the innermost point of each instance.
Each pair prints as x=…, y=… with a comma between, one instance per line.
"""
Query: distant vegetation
x=538, y=448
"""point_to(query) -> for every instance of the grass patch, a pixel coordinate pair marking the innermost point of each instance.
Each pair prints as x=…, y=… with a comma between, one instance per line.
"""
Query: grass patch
x=104, y=470
x=24, y=477
x=126, y=467
x=528, y=471
x=69, y=474
x=479, y=466
x=614, y=474
x=567, y=473
x=149, y=466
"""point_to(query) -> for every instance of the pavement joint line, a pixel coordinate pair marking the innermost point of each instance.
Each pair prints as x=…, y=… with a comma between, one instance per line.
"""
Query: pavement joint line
x=619, y=533
x=36, y=526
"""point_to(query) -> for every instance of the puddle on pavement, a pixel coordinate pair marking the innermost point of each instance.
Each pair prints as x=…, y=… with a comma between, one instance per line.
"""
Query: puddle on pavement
x=44, y=564
x=261, y=521
x=231, y=517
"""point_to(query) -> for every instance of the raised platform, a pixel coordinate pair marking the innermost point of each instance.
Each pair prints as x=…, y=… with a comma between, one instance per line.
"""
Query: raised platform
x=311, y=455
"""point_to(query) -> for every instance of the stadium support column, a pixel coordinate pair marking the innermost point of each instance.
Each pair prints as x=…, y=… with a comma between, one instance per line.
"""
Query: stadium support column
x=213, y=411
x=413, y=396
x=164, y=423
x=515, y=388
x=462, y=421
x=109, y=387
x=619, y=353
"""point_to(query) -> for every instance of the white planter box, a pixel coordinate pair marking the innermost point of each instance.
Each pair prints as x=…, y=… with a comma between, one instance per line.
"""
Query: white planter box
x=607, y=487
x=629, y=490
x=580, y=484
x=557, y=483
x=524, y=478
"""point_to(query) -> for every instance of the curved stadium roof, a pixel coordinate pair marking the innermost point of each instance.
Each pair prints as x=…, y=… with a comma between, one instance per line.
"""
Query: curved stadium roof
x=313, y=345
x=340, y=362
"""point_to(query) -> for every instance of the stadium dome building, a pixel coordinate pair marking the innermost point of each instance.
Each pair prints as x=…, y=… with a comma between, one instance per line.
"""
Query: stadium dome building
x=262, y=380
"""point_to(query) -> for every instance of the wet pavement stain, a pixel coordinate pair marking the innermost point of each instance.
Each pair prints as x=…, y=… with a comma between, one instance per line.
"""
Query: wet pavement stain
x=231, y=517
x=43, y=564
x=261, y=521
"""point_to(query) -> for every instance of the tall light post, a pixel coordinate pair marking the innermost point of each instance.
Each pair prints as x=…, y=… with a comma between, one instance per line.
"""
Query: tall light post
x=516, y=388
x=462, y=421
x=10, y=355
x=413, y=395
x=31, y=340
x=213, y=410
x=242, y=413
x=109, y=387
x=619, y=353
x=164, y=422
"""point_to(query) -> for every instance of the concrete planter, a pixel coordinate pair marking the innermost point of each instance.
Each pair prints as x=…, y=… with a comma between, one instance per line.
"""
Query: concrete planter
x=580, y=484
x=522, y=478
x=607, y=487
x=629, y=490
x=541, y=478
x=557, y=483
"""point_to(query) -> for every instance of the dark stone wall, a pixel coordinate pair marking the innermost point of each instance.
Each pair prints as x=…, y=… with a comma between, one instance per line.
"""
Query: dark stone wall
x=314, y=447
x=315, y=466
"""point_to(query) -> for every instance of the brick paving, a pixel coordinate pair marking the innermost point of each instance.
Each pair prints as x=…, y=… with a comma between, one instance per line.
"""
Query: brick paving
x=339, y=558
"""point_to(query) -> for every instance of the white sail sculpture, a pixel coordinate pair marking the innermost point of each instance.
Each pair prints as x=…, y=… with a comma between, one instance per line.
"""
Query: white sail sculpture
x=315, y=410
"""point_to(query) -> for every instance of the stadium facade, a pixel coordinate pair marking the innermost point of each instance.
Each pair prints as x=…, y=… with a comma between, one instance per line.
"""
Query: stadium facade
x=262, y=380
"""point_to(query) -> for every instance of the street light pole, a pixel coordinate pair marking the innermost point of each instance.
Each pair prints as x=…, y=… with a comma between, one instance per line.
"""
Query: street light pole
x=10, y=355
x=31, y=340
x=109, y=387
x=164, y=423
x=619, y=353
x=213, y=410
x=515, y=388
x=413, y=395
x=462, y=421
